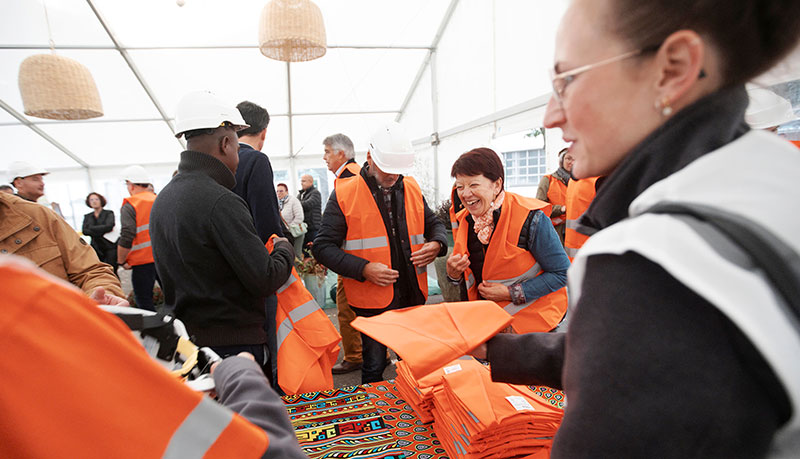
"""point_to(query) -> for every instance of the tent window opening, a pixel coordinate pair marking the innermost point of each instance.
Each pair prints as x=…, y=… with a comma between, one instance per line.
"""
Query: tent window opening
x=525, y=167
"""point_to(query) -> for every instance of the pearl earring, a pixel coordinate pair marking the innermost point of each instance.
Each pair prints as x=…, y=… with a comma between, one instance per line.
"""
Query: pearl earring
x=664, y=106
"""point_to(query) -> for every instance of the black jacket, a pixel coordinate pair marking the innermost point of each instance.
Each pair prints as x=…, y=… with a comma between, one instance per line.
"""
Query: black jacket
x=97, y=227
x=213, y=267
x=652, y=369
x=311, y=199
x=254, y=184
x=327, y=246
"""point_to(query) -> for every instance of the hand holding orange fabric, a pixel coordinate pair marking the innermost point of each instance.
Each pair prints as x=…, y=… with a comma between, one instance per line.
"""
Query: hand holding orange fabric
x=425, y=255
x=380, y=274
x=429, y=336
x=493, y=291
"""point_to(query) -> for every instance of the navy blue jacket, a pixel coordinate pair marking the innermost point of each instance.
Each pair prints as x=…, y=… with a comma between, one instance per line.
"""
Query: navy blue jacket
x=255, y=185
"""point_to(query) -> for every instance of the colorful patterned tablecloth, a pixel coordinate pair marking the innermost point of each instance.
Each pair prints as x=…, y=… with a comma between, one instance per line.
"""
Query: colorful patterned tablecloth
x=369, y=421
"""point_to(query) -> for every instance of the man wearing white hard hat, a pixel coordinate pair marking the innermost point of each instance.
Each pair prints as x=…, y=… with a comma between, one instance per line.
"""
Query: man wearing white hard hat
x=28, y=179
x=213, y=267
x=133, y=248
x=383, y=265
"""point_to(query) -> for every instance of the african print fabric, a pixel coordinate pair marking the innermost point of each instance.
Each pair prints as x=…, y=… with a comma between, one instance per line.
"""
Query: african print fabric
x=341, y=423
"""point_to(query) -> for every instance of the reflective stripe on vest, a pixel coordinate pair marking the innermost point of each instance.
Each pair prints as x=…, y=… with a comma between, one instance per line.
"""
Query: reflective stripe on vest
x=307, y=340
x=507, y=264
x=580, y=194
x=141, y=252
x=367, y=237
x=198, y=432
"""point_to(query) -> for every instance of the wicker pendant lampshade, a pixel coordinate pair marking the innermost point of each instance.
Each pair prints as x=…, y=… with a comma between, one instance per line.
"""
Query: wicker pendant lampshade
x=292, y=31
x=58, y=88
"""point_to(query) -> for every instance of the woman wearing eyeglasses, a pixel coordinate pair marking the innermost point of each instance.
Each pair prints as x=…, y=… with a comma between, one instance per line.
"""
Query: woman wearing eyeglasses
x=677, y=345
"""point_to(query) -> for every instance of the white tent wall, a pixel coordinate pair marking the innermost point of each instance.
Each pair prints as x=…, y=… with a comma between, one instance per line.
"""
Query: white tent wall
x=487, y=80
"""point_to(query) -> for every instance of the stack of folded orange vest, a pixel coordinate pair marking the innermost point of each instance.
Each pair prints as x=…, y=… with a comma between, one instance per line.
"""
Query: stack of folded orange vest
x=473, y=416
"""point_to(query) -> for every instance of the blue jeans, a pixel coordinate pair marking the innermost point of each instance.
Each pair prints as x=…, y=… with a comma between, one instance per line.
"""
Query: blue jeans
x=143, y=278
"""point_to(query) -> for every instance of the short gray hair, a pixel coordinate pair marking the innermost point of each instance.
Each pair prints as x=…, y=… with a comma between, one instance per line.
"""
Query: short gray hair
x=340, y=142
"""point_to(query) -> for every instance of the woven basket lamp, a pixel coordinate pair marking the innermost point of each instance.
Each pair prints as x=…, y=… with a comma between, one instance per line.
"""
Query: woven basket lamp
x=58, y=88
x=292, y=31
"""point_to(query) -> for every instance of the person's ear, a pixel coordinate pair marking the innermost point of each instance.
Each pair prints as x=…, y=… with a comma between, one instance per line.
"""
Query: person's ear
x=263, y=134
x=679, y=61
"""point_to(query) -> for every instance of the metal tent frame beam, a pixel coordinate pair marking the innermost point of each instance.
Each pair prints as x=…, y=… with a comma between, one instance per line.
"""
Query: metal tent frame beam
x=123, y=50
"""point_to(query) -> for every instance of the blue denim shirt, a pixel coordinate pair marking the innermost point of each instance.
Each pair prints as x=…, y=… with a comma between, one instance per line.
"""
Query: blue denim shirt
x=545, y=246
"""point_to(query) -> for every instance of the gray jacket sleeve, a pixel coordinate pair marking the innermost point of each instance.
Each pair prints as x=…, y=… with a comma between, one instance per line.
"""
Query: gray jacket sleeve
x=242, y=387
x=127, y=230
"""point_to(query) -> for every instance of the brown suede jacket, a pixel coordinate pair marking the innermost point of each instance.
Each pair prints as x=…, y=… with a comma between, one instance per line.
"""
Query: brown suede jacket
x=37, y=233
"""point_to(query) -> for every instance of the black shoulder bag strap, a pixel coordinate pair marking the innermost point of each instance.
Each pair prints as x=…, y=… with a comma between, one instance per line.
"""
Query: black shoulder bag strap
x=780, y=263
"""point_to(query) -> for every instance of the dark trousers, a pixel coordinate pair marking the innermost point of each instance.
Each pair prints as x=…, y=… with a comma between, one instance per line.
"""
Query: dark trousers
x=143, y=278
x=373, y=353
x=259, y=351
x=271, y=306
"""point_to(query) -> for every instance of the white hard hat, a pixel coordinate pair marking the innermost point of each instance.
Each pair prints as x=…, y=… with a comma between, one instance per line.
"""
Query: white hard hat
x=135, y=174
x=204, y=110
x=391, y=149
x=23, y=169
x=767, y=109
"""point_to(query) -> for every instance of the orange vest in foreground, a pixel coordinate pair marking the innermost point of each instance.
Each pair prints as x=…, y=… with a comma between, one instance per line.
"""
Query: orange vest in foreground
x=141, y=253
x=367, y=237
x=580, y=194
x=506, y=263
x=557, y=196
x=307, y=340
x=76, y=383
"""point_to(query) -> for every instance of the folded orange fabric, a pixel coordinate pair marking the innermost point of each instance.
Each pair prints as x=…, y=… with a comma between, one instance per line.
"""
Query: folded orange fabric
x=428, y=337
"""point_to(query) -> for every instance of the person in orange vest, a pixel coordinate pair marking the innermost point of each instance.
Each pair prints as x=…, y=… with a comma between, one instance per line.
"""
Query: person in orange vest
x=340, y=158
x=553, y=189
x=134, y=251
x=308, y=343
x=380, y=234
x=109, y=398
x=580, y=194
x=506, y=249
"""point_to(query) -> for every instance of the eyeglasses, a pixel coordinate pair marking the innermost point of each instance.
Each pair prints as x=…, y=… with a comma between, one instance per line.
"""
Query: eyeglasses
x=561, y=80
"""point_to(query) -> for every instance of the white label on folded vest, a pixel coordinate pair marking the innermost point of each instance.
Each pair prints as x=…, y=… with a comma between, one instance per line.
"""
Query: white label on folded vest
x=452, y=368
x=519, y=403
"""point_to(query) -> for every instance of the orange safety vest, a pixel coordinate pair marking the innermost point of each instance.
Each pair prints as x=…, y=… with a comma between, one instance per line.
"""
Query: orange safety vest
x=796, y=143
x=506, y=263
x=141, y=252
x=107, y=398
x=580, y=194
x=557, y=196
x=308, y=343
x=354, y=169
x=367, y=238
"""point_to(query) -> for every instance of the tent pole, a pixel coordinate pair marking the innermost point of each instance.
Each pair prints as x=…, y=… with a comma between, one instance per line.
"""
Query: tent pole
x=435, y=111
x=292, y=169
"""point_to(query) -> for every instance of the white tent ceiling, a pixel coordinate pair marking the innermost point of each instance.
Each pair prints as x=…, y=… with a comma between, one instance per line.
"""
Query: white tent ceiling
x=144, y=55
x=472, y=71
